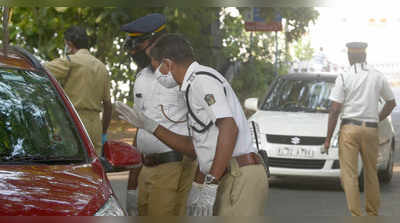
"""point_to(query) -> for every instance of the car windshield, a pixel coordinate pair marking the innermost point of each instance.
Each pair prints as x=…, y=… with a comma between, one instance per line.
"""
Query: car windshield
x=299, y=96
x=34, y=125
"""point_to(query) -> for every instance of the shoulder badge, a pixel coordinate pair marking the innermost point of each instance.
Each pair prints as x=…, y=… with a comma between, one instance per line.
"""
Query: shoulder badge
x=210, y=99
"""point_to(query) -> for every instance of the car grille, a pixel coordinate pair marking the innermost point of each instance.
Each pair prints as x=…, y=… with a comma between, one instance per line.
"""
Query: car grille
x=336, y=165
x=296, y=163
x=295, y=140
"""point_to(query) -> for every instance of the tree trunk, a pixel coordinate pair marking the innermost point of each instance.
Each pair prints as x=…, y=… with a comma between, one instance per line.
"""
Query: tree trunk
x=287, y=52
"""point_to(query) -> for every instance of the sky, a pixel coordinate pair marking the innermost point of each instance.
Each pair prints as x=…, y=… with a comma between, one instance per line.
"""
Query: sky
x=376, y=24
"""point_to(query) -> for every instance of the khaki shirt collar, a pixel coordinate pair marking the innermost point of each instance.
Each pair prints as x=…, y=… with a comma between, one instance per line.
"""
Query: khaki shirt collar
x=82, y=51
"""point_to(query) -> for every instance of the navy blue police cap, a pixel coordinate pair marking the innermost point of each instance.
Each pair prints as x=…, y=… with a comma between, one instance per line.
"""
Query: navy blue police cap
x=356, y=46
x=145, y=25
x=142, y=29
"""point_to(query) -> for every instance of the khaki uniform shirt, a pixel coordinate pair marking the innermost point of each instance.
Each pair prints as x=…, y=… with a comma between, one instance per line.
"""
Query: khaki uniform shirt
x=210, y=100
x=88, y=84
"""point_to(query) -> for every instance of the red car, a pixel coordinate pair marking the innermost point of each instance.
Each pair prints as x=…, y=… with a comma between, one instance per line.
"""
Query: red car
x=47, y=161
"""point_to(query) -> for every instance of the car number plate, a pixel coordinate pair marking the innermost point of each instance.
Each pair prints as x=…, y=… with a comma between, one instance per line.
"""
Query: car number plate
x=295, y=152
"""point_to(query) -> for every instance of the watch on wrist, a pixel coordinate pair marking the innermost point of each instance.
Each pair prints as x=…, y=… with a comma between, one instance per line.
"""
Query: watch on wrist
x=210, y=179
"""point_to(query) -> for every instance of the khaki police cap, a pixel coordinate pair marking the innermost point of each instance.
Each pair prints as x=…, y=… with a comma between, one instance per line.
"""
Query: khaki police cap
x=355, y=47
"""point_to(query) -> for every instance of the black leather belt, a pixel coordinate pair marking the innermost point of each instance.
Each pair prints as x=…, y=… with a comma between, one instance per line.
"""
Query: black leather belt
x=360, y=123
x=160, y=158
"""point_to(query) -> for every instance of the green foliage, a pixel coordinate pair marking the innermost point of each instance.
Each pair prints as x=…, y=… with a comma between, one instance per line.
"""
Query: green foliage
x=256, y=51
x=298, y=20
x=303, y=50
x=194, y=24
x=253, y=79
x=40, y=30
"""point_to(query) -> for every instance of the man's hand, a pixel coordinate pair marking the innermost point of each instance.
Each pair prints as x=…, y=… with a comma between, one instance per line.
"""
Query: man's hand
x=135, y=117
x=335, y=110
x=325, y=148
x=201, y=199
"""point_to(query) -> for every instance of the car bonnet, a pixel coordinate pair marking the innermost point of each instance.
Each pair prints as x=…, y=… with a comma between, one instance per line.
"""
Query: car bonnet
x=52, y=190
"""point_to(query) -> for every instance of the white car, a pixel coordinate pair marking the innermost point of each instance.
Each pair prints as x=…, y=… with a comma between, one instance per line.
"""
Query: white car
x=293, y=119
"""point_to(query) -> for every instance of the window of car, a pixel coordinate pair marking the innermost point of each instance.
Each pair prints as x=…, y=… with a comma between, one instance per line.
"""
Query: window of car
x=34, y=124
x=299, y=95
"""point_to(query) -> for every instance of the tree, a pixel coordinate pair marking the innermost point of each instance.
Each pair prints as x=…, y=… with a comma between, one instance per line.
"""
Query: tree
x=258, y=72
x=303, y=50
x=216, y=42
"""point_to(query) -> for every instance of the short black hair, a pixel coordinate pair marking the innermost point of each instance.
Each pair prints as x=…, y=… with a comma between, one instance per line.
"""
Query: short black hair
x=174, y=47
x=77, y=35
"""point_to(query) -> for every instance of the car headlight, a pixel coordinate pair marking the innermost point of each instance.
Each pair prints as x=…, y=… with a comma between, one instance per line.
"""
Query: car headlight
x=110, y=208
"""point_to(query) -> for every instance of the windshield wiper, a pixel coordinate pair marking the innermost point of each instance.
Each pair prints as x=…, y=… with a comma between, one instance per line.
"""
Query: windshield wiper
x=292, y=108
x=273, y=108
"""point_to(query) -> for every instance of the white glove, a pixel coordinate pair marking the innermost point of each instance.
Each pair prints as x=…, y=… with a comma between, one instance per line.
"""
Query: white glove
x=135, y=117
x=132, y=203
x=194, y=196
x=201, y=199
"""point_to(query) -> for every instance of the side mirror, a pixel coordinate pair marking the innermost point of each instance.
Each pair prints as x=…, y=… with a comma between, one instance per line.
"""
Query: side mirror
x=119, y=156
x=251, y=104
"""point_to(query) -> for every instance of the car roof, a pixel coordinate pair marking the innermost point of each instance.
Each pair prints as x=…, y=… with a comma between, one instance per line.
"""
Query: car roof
x=330, y=77
x=18, y=58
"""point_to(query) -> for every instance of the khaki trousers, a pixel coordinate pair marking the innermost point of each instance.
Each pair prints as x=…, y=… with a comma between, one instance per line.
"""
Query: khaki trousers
x=163, y=189
x=91, y=121
x=242, y=191
x=353, y=140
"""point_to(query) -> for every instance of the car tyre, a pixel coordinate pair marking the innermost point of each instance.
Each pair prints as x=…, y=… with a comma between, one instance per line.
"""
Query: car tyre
x=386, y=175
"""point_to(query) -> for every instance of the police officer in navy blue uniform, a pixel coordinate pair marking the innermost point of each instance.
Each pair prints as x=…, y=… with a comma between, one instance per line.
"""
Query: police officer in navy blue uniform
x=166, y=176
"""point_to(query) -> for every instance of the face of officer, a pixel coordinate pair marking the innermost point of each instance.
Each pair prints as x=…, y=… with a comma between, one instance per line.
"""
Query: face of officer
x=69, y=47
x=75, y=38
x=176, y=55
x=164, y=75
x=139, y=56
x=356, y=57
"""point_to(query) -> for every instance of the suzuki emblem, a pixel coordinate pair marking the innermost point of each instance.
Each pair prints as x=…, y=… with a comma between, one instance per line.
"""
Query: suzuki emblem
x=295, y=140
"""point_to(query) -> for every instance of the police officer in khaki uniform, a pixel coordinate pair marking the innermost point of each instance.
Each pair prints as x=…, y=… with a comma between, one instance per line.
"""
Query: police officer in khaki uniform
x=234, y=181
x=356, y=94
x=85, y=80
x=166, y=176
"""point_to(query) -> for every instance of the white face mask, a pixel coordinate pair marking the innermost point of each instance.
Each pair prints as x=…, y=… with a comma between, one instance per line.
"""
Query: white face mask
x=166, y=80
x=67, y=49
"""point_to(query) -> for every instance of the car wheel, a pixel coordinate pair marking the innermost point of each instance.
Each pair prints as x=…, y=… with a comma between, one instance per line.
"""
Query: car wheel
x=386, y=175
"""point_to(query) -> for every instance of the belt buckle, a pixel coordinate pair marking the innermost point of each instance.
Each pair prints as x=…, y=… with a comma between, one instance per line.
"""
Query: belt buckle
x=150, y=160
